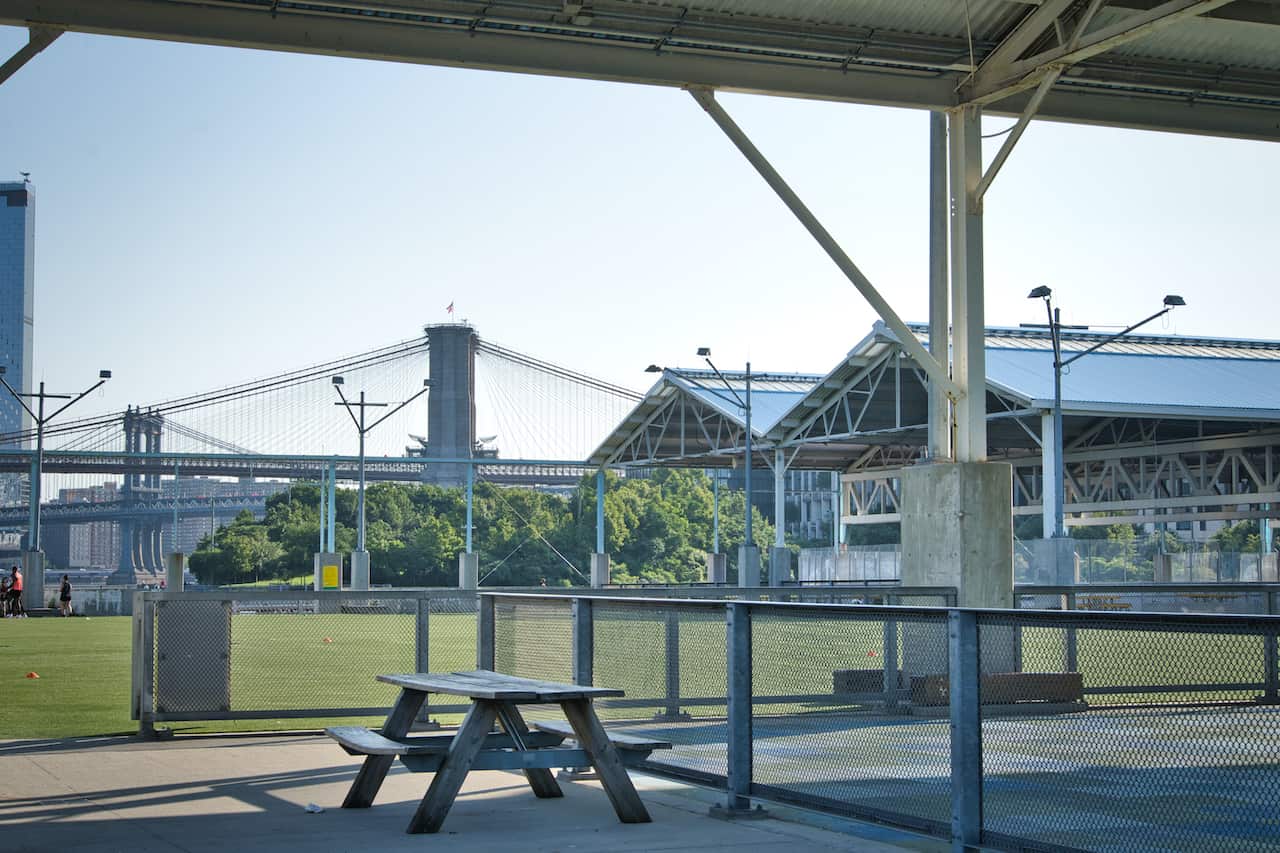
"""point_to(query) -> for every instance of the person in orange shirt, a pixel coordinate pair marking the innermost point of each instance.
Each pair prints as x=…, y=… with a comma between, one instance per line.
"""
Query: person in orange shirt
x=16, y=610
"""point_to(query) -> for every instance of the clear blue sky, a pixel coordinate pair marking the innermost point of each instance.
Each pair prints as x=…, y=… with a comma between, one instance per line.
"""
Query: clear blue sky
x=207, y=215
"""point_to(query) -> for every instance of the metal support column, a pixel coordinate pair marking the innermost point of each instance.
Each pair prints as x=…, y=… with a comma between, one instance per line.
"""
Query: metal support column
x=969, y=369
x=939, y=309
x=583, y=642
x=485, y=624
x=1051, y=486
x=738, y=655
x=600, y=511
x=966, y=730
x=471, y=500
x=333, y=507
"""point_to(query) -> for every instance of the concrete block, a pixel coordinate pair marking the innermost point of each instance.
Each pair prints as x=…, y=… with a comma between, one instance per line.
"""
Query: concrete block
x=957, y=530
x=328, y=571
x=717, y=568
x=748, y=566
x=599, y=570
x=468, y=571
x=779, y=566
x=33, y=580
x=175, y=567
x=360, y=570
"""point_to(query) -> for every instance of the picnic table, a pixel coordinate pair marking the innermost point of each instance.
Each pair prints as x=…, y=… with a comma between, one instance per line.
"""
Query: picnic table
x=476, y=746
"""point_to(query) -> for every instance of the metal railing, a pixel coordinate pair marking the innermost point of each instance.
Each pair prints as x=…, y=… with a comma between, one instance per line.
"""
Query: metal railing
x=1017, y=729
x=254, y=654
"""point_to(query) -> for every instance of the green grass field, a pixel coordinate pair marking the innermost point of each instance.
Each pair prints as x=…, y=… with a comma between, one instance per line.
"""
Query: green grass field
x=281, y=662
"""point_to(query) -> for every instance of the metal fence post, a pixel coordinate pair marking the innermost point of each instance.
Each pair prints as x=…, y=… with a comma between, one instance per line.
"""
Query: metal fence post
x=672, y=646
x=889, y=654
x=738, y=655
x=966, y=730
x=146, y=718
x=422, y=654
x=584, y=643
x=485, y=625
x=1073, y=648
x=1270, y=659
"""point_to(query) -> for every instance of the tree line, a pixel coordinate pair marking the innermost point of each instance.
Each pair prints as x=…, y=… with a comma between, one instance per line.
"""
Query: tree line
x=657, y=529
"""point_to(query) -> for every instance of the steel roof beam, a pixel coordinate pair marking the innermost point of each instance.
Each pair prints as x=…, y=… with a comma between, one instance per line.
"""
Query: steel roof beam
x=38, y=38
x=937, y=372
x=995, y=81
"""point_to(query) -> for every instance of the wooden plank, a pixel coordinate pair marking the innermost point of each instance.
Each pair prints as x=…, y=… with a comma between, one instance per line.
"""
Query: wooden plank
x=540, y=779
x=358, y=740
x=483, y=684
x=605, y=758
x=375, y=767
x=453, y=770
x=502, y=759
x=619, y=739
x=456, y=685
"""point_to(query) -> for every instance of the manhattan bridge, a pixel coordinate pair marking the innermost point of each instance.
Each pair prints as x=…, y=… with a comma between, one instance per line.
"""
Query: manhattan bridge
x=193, y=462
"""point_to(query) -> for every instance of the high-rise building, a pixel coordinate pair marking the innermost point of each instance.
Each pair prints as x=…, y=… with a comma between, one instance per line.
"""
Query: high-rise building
x=17, y=316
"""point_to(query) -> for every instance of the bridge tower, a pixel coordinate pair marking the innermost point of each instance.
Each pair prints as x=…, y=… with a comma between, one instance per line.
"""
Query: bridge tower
x=140, y=549
x=451, y=409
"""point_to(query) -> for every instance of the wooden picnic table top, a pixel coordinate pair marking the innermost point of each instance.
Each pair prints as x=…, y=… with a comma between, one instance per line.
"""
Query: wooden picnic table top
x=485, y=684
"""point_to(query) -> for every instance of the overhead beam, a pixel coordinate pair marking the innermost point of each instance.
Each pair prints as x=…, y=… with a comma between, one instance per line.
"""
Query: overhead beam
x=996, y=82
x=776, y=68
x=38, y=38
x=909, y=342
x=1026, y=34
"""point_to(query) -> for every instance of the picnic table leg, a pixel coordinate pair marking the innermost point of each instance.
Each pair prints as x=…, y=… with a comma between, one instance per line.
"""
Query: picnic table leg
x=605, y=758
x=375, y=767
x=453, y=770
x=541, y=780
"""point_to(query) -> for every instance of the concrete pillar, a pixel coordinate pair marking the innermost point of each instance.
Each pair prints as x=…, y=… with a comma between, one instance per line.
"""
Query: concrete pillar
x=599, y=570
x=939, y=309
x=328, y=570
x=175, y=571
x=779, y=566
x=717, y=568
x=1163, y=564
x=748, y=566
x=468, y=571
x=360, y=570
x=957, y=530
x=969, y=361
x=33, y=580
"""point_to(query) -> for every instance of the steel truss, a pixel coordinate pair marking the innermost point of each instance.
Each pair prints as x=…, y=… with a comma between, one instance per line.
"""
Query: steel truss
x=1116, y=473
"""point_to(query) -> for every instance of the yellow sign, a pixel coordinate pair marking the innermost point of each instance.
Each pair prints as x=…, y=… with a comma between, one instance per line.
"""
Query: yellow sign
x=330, y=577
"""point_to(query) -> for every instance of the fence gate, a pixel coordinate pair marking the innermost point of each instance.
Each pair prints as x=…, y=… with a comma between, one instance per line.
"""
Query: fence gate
x=193, y=661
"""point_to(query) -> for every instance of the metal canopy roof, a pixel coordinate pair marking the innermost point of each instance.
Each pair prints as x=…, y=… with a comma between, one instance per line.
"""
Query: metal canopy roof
x=1198, y=66
x=871, y=408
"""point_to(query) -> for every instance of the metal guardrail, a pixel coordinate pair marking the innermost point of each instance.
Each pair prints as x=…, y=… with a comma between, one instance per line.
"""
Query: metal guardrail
x=1012, y=729
x=207, y=655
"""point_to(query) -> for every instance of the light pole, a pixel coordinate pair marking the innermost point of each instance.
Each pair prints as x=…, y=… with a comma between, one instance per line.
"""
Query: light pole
x=360, y=573
x=1059, y=493
x=34, y=574
x=749, y=556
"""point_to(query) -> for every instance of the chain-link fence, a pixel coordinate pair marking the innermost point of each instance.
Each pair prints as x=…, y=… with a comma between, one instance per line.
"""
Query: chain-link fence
x=1021, y=730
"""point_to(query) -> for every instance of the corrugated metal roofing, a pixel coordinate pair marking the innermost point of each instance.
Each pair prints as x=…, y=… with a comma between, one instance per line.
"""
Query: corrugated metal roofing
x=1140, y=383
x=772, y=395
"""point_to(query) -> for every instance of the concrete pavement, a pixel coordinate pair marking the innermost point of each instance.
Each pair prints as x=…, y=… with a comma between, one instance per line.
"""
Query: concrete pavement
x=249, y=794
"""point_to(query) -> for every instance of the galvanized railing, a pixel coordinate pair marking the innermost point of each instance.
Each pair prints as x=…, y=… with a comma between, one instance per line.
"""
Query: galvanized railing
x=246, y=654
x=1013, y=729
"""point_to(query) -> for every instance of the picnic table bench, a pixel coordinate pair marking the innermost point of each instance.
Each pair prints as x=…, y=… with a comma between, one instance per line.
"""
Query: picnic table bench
x=476, y=746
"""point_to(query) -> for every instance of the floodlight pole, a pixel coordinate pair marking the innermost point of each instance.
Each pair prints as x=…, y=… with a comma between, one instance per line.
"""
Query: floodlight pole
x=37, y=463
x=1055, y=334
x=363, y=430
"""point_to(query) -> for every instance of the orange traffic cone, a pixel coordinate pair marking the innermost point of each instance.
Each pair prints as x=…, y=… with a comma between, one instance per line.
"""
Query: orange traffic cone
x=33, y=675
